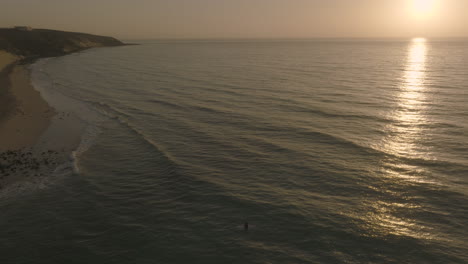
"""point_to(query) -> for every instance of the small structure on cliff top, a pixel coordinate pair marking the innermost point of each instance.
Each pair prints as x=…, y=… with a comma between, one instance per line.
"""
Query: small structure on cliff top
x=23, y=28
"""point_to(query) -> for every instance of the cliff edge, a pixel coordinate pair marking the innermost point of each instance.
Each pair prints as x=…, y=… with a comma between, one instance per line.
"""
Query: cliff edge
x=50, y=43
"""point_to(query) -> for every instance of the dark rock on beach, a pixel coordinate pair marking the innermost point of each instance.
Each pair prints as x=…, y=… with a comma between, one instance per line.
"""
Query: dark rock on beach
x=25, y=163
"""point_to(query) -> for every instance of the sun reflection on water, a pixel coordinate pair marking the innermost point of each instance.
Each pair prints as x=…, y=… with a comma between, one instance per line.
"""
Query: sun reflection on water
x=416, y=65
x=405, y=132
x=386, y=215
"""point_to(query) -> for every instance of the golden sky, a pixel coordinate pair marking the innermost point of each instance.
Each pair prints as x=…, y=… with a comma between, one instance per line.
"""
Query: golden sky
x=243, y=18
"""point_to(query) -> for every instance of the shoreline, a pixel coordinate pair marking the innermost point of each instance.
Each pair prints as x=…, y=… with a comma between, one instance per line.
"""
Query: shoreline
x=34, y=137
x=41, y=131
x=28, y=116
x=37, y=133
x=24, y=117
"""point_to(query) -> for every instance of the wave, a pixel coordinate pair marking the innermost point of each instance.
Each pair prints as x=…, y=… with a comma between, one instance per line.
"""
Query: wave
x=87, y=141
x=87, y=111
x=123, y=119
x=300, y=109
x=165, y=103
x=341, y=144
x=240, y=120
x=75, y=110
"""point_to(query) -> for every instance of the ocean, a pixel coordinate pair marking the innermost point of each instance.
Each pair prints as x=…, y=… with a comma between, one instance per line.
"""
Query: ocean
x=333, y=151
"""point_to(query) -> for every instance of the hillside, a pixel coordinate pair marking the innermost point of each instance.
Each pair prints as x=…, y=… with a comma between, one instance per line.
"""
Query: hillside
x=48, y=43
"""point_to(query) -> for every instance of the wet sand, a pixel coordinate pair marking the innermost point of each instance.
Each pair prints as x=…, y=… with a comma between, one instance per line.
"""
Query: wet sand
x=24, y=116
x=35, y=138
x=7, y=100
x=27, y=116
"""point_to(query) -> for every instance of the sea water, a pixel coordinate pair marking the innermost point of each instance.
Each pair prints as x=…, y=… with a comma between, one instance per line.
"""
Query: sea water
x=334, y=151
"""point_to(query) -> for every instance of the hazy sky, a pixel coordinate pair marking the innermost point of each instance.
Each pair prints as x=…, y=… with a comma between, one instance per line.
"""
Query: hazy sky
x=243, y=18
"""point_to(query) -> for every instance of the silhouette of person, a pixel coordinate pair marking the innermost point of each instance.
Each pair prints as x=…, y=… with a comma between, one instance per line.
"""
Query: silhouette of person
x=246, y=226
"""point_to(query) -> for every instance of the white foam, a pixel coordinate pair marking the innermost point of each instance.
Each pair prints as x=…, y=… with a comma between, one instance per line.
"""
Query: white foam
x=73, y=130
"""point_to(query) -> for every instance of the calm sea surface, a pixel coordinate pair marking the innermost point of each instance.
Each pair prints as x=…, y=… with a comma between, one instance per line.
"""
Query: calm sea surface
x=333, y=151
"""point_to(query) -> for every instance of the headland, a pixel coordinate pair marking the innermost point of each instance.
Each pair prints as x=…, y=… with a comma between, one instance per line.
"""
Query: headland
x=24, y=114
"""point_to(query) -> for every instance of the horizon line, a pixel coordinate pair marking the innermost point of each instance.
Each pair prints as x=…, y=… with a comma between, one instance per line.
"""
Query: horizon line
x=294, y=38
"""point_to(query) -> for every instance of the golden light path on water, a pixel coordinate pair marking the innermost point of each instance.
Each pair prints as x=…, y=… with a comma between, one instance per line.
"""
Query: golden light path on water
x=386, y=215
x=406, y=132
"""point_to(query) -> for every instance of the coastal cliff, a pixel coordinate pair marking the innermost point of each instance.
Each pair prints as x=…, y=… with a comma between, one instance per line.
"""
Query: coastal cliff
x=36, y=43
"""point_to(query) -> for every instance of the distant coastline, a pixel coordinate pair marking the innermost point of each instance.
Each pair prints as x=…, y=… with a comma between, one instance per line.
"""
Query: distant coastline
x=39, y=43
x=24, y=114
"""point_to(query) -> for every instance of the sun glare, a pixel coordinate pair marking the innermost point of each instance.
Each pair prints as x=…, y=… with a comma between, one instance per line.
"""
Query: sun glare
x=423, y=8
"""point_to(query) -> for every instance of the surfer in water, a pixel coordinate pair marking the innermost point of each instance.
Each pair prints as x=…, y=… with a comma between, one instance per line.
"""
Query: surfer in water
x=246, y=226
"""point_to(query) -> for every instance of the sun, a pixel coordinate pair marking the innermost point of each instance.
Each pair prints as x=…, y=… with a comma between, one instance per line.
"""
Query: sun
x=422, y=9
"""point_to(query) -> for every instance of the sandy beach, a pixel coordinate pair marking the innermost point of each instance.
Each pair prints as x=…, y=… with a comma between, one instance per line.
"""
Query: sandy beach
x=34, y=137
x=38, y=132
x=6, y=59
x=26, y=117
x=6, y=99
